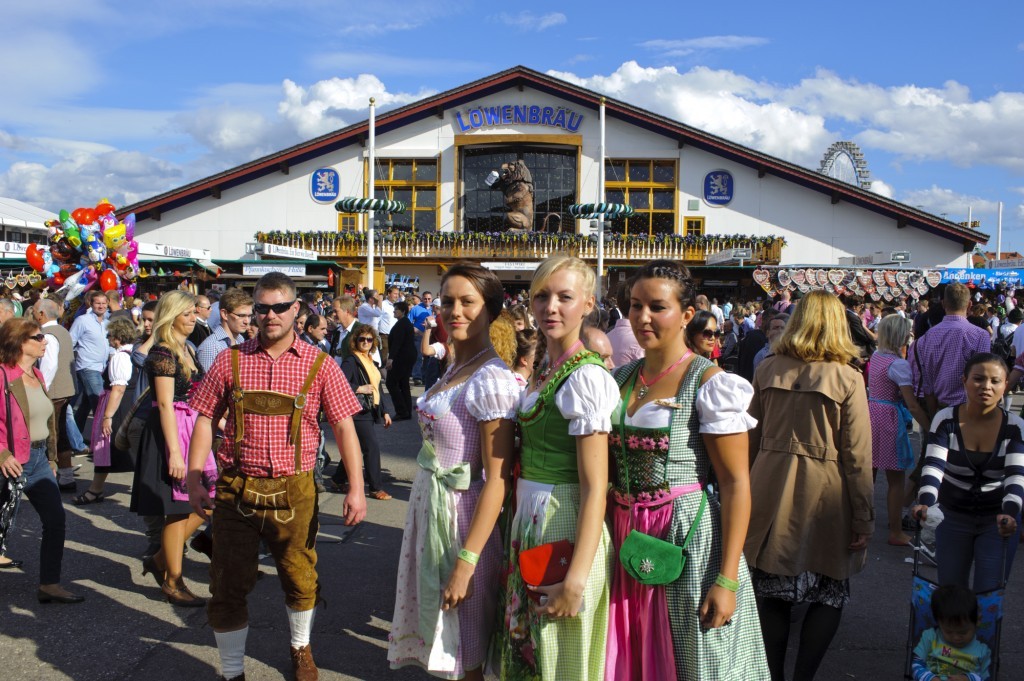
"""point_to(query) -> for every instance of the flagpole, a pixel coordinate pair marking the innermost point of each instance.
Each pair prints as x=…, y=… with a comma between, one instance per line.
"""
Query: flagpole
x=370, y=195
x=600, y=200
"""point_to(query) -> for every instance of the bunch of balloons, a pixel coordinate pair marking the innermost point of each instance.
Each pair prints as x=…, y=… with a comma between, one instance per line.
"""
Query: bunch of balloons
x=88, y=246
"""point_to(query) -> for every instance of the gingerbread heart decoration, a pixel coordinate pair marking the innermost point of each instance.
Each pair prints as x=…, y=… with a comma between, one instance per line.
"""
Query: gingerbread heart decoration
x=934, y=278
x=799, y=277
x=876, y=296
x=903, y=278
x=10, y=282
x=830, y=287
x=878, y=276
x=914, y=293
x=839, y=290
x=784, y=278
x=890, y=278
x=22, y=280
x=881, y=290
x=870, y=288
x=34, y=278
x=803, y=288
x=887, y=296
x=864, y=280
x=835, y=277
x=763, y=278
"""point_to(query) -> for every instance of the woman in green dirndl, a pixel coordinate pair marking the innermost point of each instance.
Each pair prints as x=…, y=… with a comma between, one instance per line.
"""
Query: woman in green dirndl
x=556, y=628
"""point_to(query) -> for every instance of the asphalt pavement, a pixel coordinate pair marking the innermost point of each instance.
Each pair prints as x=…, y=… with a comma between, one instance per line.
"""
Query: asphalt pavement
x=125, y=630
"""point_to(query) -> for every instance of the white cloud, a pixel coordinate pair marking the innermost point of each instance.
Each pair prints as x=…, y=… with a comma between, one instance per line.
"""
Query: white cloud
x=81, y=179
x=683, y=48
x=383, y=64
x=720, y=102
x=327, y=104
x=948, y=203
x=528, y=21
x=882, y=188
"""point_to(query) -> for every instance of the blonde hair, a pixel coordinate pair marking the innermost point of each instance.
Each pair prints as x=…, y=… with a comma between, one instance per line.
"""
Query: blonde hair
x=818, y=331
x=172, y=304
x=563, y=262
x=893, y=332
x=503, y=338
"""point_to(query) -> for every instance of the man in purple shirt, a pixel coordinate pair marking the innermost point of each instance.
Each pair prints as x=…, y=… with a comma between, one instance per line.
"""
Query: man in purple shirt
x=939, y=356
x=625, y=348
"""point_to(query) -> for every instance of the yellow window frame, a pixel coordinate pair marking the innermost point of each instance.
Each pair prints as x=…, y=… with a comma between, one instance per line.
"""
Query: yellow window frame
x=390, y=184
x=629, y=188
x=693, y=226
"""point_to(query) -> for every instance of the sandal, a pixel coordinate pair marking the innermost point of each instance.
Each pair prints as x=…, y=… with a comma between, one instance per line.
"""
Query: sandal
x=88, y=497
x=380, y=495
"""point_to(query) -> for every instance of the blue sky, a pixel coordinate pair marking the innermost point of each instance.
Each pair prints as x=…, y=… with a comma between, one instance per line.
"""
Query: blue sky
x=122, y=99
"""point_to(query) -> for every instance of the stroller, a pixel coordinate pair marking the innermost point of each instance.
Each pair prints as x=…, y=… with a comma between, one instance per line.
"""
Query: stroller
x=990, y=610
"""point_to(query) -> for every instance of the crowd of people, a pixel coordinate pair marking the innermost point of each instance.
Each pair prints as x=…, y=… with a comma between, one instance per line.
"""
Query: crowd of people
x=610, y=489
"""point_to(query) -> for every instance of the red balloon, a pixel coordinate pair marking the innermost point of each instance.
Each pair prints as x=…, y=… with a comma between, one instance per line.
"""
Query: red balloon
x=108, y=280
x=34, y=256
x=104, y=207
x=58, y=279
x=87, y=218
x=77, y=214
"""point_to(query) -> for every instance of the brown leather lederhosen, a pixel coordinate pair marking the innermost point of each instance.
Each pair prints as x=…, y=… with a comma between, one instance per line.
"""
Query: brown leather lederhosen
x=282, y=511
x=271, y=403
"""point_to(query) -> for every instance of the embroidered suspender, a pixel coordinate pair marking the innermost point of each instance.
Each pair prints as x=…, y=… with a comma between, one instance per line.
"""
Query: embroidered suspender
x=271, y=403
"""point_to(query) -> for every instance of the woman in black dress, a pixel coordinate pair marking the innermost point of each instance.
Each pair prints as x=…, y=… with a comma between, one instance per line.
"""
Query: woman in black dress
x=158, y=489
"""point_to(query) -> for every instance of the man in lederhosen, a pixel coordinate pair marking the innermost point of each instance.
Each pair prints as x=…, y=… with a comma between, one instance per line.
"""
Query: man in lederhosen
x=269, y=391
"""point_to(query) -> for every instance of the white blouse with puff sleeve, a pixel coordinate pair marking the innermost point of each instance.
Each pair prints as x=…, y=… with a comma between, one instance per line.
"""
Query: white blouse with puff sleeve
x=721, y=407
x=586, y=400
x=120, y=367
x=492, y=392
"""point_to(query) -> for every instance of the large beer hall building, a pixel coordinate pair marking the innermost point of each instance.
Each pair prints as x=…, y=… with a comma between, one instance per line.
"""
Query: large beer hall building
x=693, y=195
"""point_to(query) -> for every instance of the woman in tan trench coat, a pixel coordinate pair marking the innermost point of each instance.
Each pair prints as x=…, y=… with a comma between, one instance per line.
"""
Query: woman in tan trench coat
x=811, y=485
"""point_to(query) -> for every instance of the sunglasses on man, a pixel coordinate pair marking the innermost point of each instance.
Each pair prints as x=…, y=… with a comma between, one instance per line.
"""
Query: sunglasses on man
x=278, y=308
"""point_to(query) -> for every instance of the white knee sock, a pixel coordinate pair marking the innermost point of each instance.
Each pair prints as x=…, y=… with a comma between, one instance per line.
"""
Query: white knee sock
x=231, y=646
x=301, y=623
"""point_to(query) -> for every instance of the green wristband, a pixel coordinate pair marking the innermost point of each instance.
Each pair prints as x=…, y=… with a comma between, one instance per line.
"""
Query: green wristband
x=469, y=556
x=726, y=583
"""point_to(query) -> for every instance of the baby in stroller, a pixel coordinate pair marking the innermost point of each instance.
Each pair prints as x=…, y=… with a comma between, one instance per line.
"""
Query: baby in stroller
x=951, y=651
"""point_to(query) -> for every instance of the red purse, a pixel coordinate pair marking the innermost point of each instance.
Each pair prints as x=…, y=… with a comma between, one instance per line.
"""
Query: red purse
x=545, y=564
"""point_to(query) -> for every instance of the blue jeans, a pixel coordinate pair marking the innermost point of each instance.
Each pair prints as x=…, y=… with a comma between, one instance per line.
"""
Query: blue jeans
x=42, y=492
x=962, y=540
x=73, y=433
x=90, y=387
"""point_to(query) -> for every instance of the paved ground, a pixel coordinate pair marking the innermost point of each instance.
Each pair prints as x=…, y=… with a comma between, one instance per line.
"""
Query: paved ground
x=125, y=631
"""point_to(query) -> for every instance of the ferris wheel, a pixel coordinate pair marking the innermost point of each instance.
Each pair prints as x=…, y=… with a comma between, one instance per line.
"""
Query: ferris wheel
x=845, y=162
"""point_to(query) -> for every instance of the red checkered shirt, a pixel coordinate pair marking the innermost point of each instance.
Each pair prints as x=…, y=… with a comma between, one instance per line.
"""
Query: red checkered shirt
x=265, y=451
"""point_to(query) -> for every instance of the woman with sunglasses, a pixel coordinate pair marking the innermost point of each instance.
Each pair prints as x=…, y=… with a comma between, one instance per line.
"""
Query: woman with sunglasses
x=702, y=335
x=363, y=376
x=159, y=484
x=450, y=563
x=28, y=446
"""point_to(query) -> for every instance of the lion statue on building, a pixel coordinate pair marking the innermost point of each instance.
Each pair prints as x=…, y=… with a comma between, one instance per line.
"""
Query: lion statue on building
x=516, y=183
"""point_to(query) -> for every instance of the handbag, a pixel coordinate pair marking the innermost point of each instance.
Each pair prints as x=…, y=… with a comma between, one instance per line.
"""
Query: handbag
x=546, y=564
x=10, y=488
x=647, y=559
x=121, y=440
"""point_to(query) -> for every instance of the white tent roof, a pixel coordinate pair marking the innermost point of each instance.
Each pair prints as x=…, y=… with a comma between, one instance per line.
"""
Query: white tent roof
x=14, y=213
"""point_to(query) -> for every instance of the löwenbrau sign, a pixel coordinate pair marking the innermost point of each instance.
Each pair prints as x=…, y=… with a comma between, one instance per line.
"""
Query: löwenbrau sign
x=509, y=114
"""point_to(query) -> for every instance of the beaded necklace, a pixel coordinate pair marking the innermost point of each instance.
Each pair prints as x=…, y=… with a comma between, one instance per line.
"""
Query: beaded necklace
x=546, y=371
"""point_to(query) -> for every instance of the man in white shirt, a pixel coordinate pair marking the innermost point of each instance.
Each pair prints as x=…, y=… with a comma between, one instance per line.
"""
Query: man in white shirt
x=387, y=318
x=56, y=366
x=235, y=312
x=370, y=312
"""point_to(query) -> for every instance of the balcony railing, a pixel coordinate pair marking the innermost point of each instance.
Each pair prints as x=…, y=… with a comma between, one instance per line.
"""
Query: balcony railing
x=451, y=246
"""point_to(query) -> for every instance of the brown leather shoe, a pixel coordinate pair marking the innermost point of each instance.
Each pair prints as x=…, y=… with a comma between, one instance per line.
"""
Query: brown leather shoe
x=303, y=665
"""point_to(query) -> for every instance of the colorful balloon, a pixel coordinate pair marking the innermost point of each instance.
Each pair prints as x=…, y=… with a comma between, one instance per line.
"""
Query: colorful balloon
x=129, y=289
x=34, y=257
x=129, y=226
x=115, y=236
x=71, y=232
x=108, y=280
x=104, y=207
